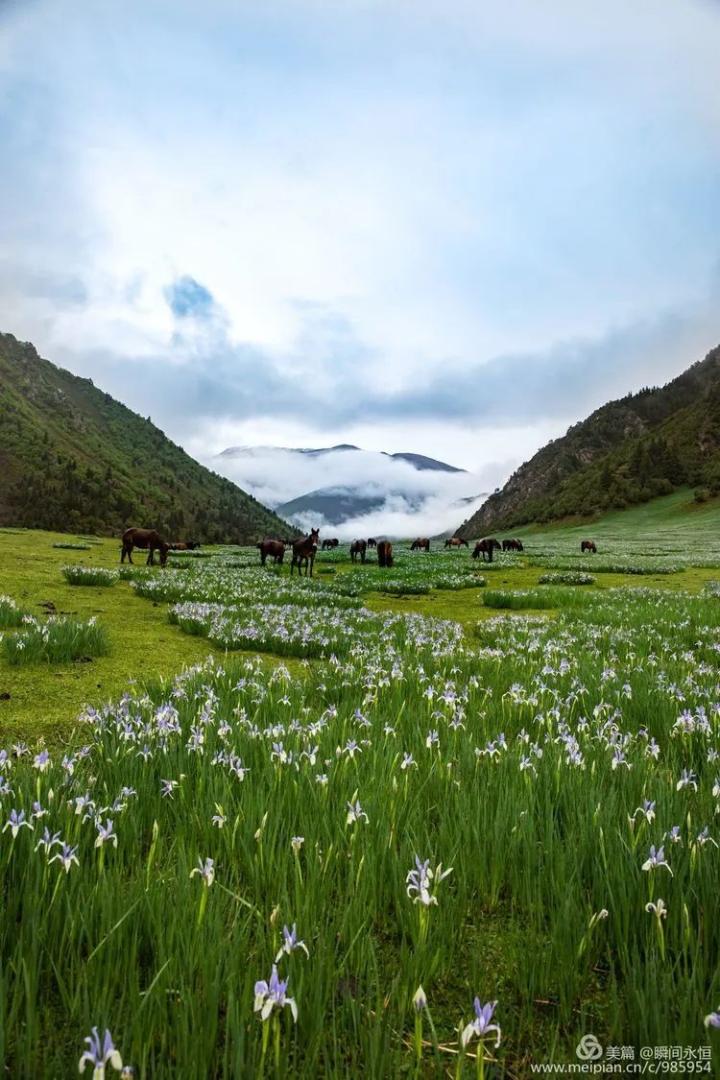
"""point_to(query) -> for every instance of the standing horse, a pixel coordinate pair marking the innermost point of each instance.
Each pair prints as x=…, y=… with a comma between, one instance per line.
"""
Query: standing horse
x=588, y=545
x=185, y=545
x=358, y=547
x=384, y=553
x=372, y=542
x=148, y=540
x=485, y=548
x=455, y=542
x=512, y=545
x=421, y=544
x=329, y=544
x=303, y=551
x=274, y=549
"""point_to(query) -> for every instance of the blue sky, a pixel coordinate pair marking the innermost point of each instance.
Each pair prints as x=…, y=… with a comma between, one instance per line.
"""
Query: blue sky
x=448, y=228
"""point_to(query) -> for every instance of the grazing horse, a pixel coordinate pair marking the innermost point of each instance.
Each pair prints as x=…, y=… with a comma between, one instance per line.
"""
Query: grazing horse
x=303, y=551
x=485, y=548
x=512, y=545
x=358, y=547
x=455, y=542
x=421, y=544
x=588, y=545
x=148, y=540
x=274, y=549
x=185, y=545
x=384, y=553
x=372, y=542
x=328, y=544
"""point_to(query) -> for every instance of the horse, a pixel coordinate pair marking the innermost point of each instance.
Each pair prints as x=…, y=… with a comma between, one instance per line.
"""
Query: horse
x=485, y=548
x=421, y=544
x=588, y=545
x=275, y=549
x=329, y=544
x=372, y=542
x=148, y=540
x=358, y=547
x=455, y=542
x=384, y=553
x=303, y=551
x=185, y=545
x=512, y=545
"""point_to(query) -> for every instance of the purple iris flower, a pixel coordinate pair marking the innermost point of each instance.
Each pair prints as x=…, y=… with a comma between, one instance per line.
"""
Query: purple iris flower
x=713, y=1019
x=67, y=856
x=291, y=943
x=15, y=822
x=481, y=1027
x=99, y=1054
x=656, y=859
x=272, y=995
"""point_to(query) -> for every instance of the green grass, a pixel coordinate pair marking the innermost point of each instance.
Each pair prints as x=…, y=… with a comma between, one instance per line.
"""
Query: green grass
x=143, y=646
x=531, y=740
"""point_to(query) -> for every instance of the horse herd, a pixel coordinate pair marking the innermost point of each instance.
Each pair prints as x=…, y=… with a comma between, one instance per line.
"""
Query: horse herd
x=304, y=548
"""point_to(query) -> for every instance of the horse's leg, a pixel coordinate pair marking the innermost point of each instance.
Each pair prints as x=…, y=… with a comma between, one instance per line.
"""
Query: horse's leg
x=150, y=561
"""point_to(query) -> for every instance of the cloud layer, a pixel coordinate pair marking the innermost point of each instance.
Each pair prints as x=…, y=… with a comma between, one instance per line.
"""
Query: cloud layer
x=412, y=501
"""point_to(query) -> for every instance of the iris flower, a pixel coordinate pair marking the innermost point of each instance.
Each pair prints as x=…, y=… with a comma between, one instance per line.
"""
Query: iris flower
x=100, y=1054
x=272, y=995
x=419, y=881
x=291, y=943
x=481, y=1027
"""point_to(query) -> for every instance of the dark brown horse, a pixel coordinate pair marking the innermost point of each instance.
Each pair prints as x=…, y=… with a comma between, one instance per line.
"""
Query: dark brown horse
x=358, y=547
x=329, y=544
x=512, y=545
x=148, y=540
x=421, y=544
x=455, y=542
x=372, y=542
x=485, y=548
x=588, y=545
x=304, y=551
x=271, y=549
x=185, y=545
x=384, y=553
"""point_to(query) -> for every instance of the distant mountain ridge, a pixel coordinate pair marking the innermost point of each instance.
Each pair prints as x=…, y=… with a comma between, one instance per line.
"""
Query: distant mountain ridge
x=627, y=452
x=72, y=458
x=418, y=461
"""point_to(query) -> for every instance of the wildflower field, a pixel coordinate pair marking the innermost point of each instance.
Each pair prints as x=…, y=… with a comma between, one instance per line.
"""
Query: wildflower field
x=334, y=828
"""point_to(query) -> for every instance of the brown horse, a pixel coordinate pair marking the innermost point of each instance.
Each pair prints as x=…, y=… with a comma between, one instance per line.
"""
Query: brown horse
x=329, y=544
x=512, y=545
x=485, y=548
x=274, y=549
x=358, y=547
x=372, y=542
x=384, y=553
x=455, y=542
x=588, y=545
x=185, y=545
x=421, y=544
x=148, y=540
x=303, y=551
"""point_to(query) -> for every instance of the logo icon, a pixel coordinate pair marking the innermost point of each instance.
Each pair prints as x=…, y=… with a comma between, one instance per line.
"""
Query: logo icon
x=588, y=1049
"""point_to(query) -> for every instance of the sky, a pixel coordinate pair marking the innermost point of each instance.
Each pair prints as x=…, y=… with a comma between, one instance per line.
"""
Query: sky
x=451, y=228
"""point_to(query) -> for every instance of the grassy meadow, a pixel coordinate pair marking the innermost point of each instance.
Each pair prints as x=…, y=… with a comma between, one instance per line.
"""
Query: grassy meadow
x=256, y=826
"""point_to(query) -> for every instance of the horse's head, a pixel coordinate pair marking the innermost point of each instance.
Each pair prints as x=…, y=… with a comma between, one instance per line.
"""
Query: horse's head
x=314, y=535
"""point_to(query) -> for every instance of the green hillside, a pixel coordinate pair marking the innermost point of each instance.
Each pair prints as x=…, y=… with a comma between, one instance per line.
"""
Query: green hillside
x=72, y=458
x=626, y=453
